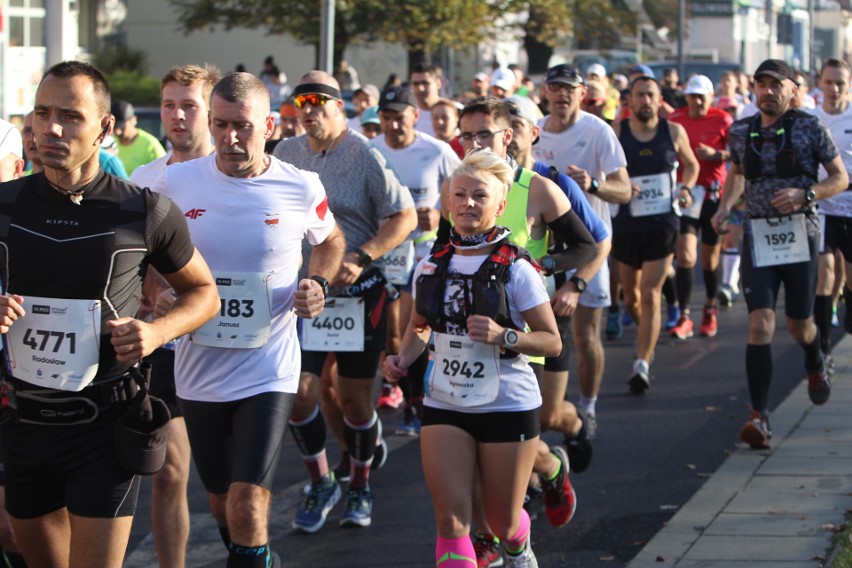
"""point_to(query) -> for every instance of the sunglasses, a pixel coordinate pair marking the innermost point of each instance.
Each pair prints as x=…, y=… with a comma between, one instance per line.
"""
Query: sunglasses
x=312, y=99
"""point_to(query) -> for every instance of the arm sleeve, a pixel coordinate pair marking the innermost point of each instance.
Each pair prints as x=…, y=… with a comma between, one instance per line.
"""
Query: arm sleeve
x=580, y=244
x=580, y=205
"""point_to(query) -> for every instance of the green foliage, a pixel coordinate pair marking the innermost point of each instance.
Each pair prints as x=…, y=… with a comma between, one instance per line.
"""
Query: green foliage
x=599, y=23
x=121, y=59
x=132, y=86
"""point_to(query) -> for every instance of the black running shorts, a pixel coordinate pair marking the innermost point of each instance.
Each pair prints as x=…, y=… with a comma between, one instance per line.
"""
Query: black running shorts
x=163, y=378
x=488, y=427
x=691, y=226
x=238, y=440
x=635, y=248
x=838, y=236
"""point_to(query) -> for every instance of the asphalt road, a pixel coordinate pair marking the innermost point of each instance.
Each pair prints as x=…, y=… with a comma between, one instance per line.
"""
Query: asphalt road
x=652, y=453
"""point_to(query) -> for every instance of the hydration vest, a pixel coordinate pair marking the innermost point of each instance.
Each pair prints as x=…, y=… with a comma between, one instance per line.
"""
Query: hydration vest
x=487, y=284
x=786, y=163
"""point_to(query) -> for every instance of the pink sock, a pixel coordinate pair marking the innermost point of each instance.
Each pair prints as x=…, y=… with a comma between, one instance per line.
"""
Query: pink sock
x=516, y=543
x=456, y=552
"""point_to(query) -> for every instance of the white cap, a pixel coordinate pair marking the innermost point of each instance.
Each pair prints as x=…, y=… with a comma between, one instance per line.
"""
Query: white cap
x=480, y=76
x=10, y=140
x=596, y=69
x=699, y=85
x=503, y=78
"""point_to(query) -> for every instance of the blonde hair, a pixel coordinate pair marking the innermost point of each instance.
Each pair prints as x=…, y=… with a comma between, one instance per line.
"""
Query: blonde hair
x=486, y=166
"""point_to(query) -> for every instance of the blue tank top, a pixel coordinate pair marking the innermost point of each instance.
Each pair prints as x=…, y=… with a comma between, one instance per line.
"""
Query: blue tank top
x=643, y=159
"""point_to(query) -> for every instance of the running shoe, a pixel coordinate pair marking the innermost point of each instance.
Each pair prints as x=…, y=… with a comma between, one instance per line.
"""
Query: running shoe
x=672, y=317
x=683, y=329
x=828, y=360
x=489, y=553
x=359, y=508
x=626, y=320
x=708, y=327
x=560, y=501
x=320, y=499
x=614, y=325
x=409, y=423
x=526, y=559
x=534, y=491
x=835, y=321
x=727, y=295
x=579, y=447
x=641, y=379
x=391, y=396
x=819, y=386
x=756, y=432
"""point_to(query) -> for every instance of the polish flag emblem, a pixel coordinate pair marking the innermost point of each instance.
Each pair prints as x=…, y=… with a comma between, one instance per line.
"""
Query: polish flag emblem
x=271, y=221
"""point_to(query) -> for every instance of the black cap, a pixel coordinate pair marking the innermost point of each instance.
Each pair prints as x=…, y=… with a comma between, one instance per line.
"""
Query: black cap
x=122, y=111
x=396, y=99
x=777, y=69
x=567, y=74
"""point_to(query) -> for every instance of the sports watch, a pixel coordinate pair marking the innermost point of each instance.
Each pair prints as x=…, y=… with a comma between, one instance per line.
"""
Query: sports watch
x=364, y=259
x=594, y=186
x=810, y=196
x=510, y=338
x=548, y=265
x=323, y=284
x=579, y=283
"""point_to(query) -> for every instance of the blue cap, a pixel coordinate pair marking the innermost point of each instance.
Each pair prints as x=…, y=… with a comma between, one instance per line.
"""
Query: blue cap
x=370, y=115
x=643, y=69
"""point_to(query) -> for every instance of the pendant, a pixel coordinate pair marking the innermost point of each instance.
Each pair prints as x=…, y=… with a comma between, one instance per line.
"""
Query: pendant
x=76, y=198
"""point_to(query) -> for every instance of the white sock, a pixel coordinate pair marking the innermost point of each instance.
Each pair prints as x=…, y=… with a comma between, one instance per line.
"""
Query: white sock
x=588, y=405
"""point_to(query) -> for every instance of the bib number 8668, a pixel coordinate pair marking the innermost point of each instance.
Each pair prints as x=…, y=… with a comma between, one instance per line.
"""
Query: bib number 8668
x=38, y=339
x=454, y=368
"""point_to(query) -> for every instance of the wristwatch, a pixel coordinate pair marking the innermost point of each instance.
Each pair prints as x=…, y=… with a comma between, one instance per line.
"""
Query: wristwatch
x=364, y=259
x=687, y=189
x=510, y=338
x=594, y=186
x=810, y=196
x=323, y=284
x=579, y=283
x=548, y=265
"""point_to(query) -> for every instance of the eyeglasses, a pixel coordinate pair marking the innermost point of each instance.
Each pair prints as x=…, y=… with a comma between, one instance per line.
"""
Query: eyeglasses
x=589, y=102
x=556, y=87
x=482, y=137
x=313, y=99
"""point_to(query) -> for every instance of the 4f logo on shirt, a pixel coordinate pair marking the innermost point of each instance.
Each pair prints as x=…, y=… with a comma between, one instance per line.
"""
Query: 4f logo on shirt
x=271, y=221
x=194, y=213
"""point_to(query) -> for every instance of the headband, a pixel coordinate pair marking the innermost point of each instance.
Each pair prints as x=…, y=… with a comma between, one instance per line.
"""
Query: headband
x=317, y=88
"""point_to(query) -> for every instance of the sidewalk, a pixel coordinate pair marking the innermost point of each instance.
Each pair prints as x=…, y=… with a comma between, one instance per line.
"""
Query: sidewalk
x=771, y=507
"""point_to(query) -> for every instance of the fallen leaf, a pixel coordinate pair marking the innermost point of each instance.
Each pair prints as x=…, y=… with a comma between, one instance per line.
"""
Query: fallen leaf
x=660, y=559
x=690, y=466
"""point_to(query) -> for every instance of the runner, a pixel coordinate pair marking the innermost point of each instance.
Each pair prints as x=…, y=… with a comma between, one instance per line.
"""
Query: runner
x=645, y=230
x=474, y=427
x=707, y=128
x=425, y=81
x=136, y=147
x=59, y=473
x=237, y=376
x=779, y=151
x=376, y=214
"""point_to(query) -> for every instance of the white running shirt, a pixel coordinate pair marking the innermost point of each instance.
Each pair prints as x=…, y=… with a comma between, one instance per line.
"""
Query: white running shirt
x=840, y=126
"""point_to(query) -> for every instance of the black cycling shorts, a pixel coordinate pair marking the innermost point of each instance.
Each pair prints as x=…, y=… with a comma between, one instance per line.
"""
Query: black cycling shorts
x=691, y=226
x=838, y=236
x=760, y=285
x=560, y=362
x=488, y=427
x=238, y=440
x=51, y=467
x=635, y=248
x=163, y=378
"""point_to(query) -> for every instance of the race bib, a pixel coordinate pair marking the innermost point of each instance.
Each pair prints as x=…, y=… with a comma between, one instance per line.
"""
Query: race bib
x=463, y=373
x=694, y=210
x=244, y=320
x=398, y=263
x=57, y=344
x=779, y=240
x=340, y=327
x=654, y=197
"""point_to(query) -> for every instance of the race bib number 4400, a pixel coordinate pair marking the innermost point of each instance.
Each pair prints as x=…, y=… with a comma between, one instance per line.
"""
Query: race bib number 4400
x=340, y=327
x=244, y=320
x=57, y=343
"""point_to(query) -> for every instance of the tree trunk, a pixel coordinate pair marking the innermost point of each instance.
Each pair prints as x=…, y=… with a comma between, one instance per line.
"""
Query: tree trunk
x=538, y=54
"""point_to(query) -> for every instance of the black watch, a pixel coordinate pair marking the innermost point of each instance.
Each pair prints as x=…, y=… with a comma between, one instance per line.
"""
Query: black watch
x=579, y=283
x=810, y=196
x=364, y=259
x=323, y=284
x=548, y=265
x=594, y=186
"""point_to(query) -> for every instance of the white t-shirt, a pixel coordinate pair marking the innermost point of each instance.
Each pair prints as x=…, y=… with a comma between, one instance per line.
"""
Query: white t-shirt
x=424, y=122
x=518, y=386
x=422, y=167
x=152, y=175
x=254, y=226
x=591, y=144
x=840, y=125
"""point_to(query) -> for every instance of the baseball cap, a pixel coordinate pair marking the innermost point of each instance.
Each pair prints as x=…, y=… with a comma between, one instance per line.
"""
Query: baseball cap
x=523, y=107
x=370, y=90
x=727, y=102
x=396, y=99
x=122, y=111
x=699, y=85
x=480, y=76
x=10, y=140
x=643, y=69
x=564, y=73
x=776, y=69
x=503, y=78
x=596, y=69
x=370, y=116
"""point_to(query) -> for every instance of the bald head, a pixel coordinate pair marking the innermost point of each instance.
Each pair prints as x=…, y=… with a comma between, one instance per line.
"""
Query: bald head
x=317, y=76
